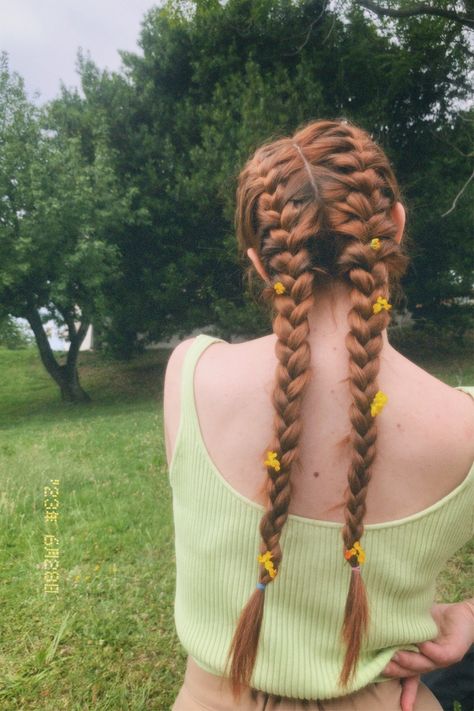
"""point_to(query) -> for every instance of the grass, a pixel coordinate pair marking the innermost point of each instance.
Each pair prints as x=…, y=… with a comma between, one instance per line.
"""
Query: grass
x=106, y=641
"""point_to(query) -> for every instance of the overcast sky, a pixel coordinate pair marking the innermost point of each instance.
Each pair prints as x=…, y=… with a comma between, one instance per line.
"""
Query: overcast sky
x=41, y=37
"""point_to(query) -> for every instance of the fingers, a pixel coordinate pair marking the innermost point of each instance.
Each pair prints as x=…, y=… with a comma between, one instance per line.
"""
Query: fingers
x=395, y=670
x=409, y=691
x=431, y=656
x=410, y=664
x=413, y=662
x=442, y=656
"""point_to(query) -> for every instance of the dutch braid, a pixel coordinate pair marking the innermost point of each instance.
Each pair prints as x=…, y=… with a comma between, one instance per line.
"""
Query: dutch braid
x=368, y=275
x=364, y=343
x=286, y=257
x=310, y=206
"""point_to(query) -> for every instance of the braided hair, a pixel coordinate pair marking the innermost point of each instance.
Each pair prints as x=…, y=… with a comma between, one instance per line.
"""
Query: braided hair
x=310, y=206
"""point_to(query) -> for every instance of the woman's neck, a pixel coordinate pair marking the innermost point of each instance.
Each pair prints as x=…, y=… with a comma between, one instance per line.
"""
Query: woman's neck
x=328, y=320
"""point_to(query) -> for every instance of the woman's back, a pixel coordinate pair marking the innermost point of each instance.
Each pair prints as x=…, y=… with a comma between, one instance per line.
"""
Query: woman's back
x=425, y=441
x=217, y=528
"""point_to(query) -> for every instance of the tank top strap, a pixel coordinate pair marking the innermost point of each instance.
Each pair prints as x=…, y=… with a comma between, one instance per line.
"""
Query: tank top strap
x=468, y=389
x=189, y=423
x=200, y=343
x=188, y=428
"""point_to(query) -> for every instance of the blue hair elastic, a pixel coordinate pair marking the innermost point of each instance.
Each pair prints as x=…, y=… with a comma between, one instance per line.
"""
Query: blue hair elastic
x=261, y=586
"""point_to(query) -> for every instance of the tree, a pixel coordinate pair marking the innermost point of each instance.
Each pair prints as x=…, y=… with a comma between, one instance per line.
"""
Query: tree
x=57, y=213
x=216, y=80
x=113, y=102
x=415, y=9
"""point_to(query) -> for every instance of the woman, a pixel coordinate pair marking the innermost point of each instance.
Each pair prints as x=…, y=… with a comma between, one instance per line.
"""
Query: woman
x=320, y=479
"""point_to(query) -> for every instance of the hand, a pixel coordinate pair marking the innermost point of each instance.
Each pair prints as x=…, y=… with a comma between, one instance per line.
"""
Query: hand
x=455, y=624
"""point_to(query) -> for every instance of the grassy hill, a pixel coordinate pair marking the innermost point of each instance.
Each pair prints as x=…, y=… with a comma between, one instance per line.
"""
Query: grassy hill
x=107, y=639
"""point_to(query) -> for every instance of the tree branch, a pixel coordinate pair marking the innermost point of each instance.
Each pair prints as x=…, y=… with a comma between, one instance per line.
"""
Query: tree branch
x=419, y=9
x=443, y=139
x=459, y=195
x=75, y=338
x=46, y=353
x=298, y=49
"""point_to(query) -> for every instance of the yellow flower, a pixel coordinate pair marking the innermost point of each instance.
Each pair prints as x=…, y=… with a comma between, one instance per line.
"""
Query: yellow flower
x=271, y=570
x=272, y=461
x=279, y=287
x=267, y=563
x=356, y=551
x=359, y=552
x=378, y=403
x=380, y=304
x=375, y=243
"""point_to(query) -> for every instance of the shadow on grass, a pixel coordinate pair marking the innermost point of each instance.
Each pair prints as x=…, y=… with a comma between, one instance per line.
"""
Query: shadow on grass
x=27, y=392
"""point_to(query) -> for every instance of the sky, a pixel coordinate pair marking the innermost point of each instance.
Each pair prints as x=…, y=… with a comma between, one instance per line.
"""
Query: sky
x=41, y=37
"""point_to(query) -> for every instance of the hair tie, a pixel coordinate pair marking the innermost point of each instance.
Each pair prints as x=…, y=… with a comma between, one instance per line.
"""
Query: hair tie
x=380, y=304
x=378, y=403
x=265, y=559
x=375, y=243
x=279, y=287
x=355, y=552
x=272, y=461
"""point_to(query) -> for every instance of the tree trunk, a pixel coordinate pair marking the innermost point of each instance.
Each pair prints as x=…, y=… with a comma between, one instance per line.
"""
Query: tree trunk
x=66, y=376
x=71, y=390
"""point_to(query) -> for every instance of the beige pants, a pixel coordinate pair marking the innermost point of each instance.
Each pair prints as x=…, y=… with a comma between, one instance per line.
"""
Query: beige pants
x=202, y=691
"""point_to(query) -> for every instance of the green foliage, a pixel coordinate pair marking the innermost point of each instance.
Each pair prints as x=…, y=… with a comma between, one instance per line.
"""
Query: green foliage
x=136, y=226
x=216, y=80
x=14, y=335
x=58, y=211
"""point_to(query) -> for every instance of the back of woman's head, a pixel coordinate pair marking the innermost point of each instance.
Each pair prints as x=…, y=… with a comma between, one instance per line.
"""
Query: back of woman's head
x=317, y=209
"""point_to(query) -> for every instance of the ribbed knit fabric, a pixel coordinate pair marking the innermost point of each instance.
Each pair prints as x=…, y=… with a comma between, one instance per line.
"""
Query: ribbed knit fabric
x=300, y=653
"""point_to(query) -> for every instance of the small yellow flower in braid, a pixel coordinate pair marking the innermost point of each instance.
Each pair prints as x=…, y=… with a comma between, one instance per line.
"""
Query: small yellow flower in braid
x=272, y=461
x=356, y=551
x=378, y=403
x=265, y=560
x=375, y=243
x=380, y=304
x=279, y=287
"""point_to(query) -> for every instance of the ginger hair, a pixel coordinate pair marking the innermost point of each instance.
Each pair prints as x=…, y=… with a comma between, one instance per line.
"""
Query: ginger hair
x=310, y=205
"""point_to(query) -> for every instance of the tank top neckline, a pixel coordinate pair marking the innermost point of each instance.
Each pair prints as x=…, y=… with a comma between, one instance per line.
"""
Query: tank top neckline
x=201, y=342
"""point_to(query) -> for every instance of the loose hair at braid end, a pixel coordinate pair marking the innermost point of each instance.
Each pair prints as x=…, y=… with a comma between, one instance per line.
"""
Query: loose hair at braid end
x=243, y=649
x=355, y=625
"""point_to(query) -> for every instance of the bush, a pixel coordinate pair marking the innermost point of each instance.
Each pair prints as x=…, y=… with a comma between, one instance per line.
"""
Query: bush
x=14, y=334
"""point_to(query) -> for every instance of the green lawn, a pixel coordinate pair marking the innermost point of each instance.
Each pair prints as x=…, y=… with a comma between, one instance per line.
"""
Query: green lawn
x=107, y=639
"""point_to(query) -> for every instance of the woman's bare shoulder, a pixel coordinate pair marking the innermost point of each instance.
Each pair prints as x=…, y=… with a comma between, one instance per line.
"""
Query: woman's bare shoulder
x=434, y=420
x=443, y=414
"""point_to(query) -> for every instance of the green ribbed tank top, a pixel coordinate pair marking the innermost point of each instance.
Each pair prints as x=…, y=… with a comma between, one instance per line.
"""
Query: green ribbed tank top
x=300, y=653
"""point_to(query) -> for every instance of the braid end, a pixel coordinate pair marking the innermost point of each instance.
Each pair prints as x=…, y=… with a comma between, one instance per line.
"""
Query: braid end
x=354, y=628
x=243, y=648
